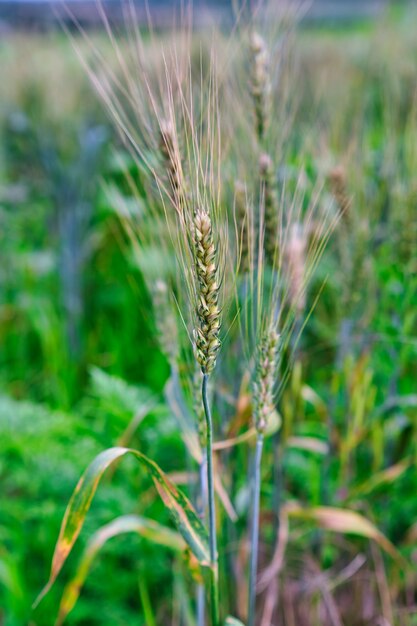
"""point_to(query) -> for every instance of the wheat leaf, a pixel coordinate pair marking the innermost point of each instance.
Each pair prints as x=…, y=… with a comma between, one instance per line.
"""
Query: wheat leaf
x=126, y=524
x=182, y=512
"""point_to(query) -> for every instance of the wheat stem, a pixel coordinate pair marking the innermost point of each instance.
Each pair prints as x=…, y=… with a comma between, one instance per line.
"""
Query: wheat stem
x=201, y=605
x=214, y=583
x=254, y=540
x=202, y=508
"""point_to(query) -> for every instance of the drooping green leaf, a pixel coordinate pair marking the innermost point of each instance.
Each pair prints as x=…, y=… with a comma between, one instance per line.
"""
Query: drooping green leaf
x=126, y=524
x=180, y=508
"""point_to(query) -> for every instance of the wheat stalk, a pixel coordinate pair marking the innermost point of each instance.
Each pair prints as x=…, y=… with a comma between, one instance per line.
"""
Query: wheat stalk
x=263, y=407
x=206, y=346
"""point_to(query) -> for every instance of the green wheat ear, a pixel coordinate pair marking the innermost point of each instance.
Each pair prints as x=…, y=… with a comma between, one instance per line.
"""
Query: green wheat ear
x=206, y=333
x=263, y=387
x=260, y=83
x=271, y=210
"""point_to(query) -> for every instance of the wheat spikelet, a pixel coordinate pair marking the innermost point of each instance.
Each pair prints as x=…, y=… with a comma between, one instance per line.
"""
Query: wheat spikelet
x=271, y=213
x=263, y=387
x=206, y=333
x=260, y=83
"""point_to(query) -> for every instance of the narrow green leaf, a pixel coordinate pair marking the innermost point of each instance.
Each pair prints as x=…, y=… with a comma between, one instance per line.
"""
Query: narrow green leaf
x=385, y=477
x=181, y=510
x=232, y=621
x=126, y=524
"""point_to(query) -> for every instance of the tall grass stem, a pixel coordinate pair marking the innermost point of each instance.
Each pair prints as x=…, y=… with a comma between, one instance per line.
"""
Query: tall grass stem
x=254, y=540
x=202, y=509
x=214, y=586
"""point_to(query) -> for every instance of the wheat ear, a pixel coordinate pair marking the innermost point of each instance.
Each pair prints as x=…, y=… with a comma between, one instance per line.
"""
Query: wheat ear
x=260, y=83
x=206, y=332
x=271, y=212
x=263, y=387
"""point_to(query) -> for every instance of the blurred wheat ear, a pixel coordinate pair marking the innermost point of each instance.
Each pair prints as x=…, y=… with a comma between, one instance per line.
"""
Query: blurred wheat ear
x=269, y=200
x=260, y=83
